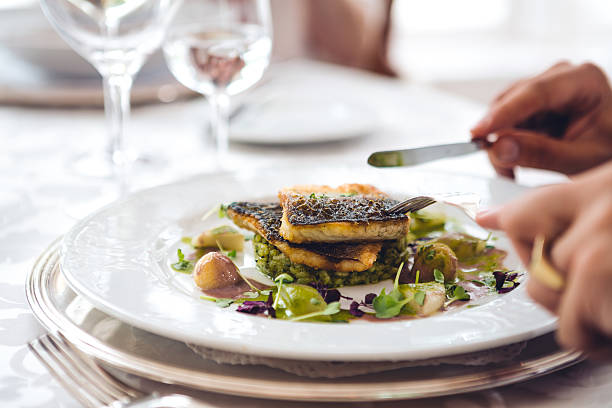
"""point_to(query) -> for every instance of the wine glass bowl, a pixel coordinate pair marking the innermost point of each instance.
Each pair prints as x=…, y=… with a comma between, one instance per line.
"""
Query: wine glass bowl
x=219, y=48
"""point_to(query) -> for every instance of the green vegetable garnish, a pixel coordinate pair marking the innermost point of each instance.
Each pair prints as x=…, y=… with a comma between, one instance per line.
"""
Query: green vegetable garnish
x=224, y=302
x=332, y=308
x=279, y=280
x=312, y=195
x=390, y=305
x=221, y=302
x=458, y=293
x=419, y=297
x=232, y=253
x=438, y=276
x=183, y=265
x=222, y=211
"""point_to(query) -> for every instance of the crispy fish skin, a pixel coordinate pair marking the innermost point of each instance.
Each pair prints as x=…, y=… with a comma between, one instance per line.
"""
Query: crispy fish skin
x=348, y=213
x=265, y=219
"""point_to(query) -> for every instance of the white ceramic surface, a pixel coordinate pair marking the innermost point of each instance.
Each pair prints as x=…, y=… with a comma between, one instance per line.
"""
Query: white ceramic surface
x=119, y=256
x=297, y=120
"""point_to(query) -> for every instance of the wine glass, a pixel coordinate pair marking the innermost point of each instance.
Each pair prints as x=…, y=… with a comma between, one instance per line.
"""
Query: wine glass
x=219, y=48
x=116, y=37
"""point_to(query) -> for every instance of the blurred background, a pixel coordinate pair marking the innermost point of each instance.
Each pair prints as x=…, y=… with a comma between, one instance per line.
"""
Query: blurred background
x=471, y=47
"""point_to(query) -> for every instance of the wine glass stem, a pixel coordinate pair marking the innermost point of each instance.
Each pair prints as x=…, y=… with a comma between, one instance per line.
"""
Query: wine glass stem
x=220, y=125
x=117, y=108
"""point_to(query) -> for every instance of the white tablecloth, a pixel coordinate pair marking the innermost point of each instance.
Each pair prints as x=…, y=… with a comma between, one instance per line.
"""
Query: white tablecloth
x=41, y=197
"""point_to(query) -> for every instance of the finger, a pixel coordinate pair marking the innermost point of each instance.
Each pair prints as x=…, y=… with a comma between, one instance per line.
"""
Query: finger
x=517, y=147
x=489, y=218
x=565, y=88
x=543, y=295
x=585, y=308
x=507, y=172
x=594, y=216
x=546, y=211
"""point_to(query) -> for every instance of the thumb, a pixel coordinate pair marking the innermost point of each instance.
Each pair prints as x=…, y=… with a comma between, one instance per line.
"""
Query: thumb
x=516, y=147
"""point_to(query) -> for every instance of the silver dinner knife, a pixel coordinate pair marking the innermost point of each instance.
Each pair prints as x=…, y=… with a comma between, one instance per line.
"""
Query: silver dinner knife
x=411, y=157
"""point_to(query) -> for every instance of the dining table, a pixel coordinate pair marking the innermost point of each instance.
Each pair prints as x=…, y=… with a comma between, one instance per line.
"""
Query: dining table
x=43, y=194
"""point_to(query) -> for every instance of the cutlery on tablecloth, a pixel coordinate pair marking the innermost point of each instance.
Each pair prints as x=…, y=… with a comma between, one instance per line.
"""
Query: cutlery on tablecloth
x=91, y=385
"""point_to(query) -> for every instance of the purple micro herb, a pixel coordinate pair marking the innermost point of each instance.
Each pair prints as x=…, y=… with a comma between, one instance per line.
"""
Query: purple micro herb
x=328, y=295
x=501, y=278
x=258, y=306
x=355, y=311
x=369, y=298
x=510, y=288
x=253, y=307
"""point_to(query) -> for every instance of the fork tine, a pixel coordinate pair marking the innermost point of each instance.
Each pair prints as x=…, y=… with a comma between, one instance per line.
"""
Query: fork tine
x=74, y=372
x=91, y=385
x=116, y=388
x=412, y=204
x=67, y=382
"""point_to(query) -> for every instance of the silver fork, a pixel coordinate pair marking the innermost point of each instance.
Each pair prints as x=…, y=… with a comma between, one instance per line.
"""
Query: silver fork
x=412, y=204
x=91, y=385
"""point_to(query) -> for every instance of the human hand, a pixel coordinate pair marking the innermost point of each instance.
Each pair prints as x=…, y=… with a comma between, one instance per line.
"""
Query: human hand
x=559, y=120
x=576, y=220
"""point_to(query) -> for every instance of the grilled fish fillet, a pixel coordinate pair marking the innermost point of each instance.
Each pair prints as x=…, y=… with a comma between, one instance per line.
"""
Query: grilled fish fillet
x=265, y=219
x=348, y=213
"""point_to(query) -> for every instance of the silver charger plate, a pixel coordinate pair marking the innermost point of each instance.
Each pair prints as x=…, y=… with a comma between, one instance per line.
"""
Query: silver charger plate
x=135, y=351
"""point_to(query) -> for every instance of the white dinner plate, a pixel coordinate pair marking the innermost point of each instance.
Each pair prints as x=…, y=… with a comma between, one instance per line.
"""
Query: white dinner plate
x=119, y=259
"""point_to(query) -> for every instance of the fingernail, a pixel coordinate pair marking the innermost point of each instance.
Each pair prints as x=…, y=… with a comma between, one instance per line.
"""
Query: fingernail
x=506, y=150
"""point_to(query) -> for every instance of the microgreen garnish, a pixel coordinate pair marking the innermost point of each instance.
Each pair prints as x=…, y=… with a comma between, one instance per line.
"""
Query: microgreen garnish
x=505, y=282
x=456, y=292
x=354, y=309
x=397, y=276
x=312, y=195
x=257, y=307
x=223, y=302
x=222, y=211
x=232, y=253
x=183, y=265
x=331, y=309
x=419, y=297
x=389, y=305
x=438, y=276
x=279, y=280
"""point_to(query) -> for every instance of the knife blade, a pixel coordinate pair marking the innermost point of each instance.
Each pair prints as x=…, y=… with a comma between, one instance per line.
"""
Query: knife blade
x=411, y=157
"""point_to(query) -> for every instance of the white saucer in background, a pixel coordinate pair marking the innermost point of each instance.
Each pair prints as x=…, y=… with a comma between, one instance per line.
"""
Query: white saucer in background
x=295, y=119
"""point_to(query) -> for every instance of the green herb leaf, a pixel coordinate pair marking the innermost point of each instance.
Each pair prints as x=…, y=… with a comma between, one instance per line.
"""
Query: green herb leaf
x=222, y=212
x=457, y=293
x=389, y=305
x=332, y=308
x=183, y=265
x=312, y=196
x=397, y=276
x=284, y=277
x=419, y=297
x=438, y=276
x=232, y=253
x=224, y=302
